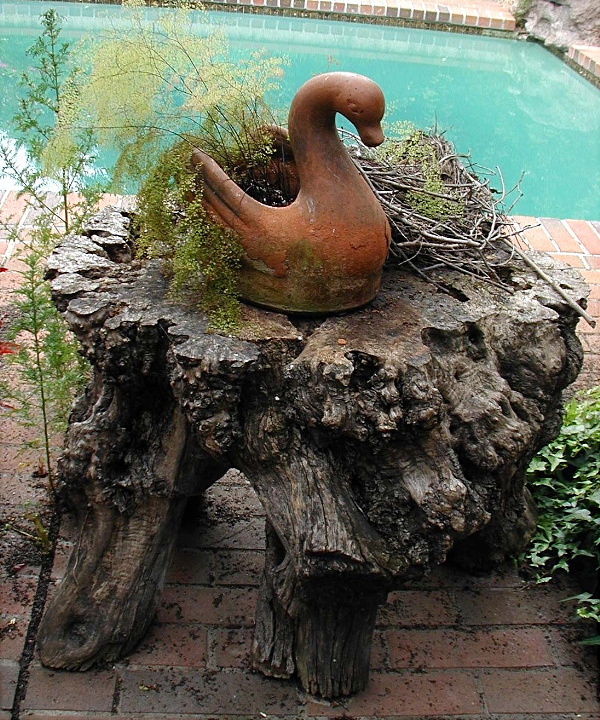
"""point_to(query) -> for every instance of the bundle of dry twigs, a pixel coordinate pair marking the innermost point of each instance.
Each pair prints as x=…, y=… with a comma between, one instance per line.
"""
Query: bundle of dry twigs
x=468, y=229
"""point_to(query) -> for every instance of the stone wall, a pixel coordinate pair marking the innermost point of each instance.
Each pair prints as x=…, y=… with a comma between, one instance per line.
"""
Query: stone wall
x=560, y=23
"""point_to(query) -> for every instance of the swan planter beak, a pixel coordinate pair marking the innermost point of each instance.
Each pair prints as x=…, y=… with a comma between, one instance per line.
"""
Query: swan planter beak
x=323, y=253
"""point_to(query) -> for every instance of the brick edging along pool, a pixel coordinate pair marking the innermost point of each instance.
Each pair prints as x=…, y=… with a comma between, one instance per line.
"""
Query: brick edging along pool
x=477, y=17
x=484, y=17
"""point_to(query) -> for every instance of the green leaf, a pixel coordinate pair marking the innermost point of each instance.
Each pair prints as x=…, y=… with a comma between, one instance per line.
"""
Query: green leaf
x=580, y=514
x=580, y=598
x=564, y=479
x=594, y=640
x=538, y=464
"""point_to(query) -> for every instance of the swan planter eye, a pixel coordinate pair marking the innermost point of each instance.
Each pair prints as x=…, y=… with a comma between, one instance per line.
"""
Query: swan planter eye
x=324, y=252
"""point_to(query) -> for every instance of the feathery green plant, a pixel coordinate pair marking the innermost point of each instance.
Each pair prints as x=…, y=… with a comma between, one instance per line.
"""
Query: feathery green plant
x=151, y=84
x=201, y=257
x=48, y=368
x=48, y=88
x=154, y=91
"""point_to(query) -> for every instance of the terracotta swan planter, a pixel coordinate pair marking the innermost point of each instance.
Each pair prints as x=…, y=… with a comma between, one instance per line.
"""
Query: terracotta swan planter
x=325, y=251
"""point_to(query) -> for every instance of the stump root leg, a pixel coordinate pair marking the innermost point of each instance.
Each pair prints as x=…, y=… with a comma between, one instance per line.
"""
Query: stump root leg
x=112, y=584
x=324, y=577
x=323, y=635
x=111, y=588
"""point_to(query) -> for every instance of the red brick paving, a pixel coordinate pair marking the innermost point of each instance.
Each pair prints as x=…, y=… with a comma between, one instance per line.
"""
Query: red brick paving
x=13, y=637
x=54, y=690
x=413, y=693
x=408, y=608
x=592, y=277
x=467, y=648
x=190, y=567
x=557, y=690
x=223, y=606
x=16, y=597
x=587, y=235
x=511, y=606
x=9, y=671
x=172, y=644
x=230, y=647
x=452, y=646
x=562, y=235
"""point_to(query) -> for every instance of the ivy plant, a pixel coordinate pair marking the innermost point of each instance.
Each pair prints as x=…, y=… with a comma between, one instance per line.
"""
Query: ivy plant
x=564, y=478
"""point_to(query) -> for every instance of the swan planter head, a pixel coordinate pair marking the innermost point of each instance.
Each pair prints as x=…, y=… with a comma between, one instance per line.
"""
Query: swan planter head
x=324, y=252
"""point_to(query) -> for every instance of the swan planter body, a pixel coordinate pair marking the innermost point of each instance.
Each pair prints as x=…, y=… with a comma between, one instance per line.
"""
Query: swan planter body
x=324, y=252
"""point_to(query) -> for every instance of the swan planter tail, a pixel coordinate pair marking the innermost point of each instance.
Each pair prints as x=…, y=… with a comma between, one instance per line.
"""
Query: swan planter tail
x=324, y=252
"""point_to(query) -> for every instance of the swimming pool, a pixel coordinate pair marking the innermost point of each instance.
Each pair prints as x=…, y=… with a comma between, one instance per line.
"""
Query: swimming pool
x=508, y=103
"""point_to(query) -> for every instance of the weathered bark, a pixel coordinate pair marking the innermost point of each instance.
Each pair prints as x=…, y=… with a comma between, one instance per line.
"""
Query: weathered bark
x=129, y=463
x=322, y=632
x=379, y=442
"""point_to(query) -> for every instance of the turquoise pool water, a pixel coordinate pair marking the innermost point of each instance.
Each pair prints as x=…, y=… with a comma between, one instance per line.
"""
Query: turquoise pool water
x=509, y=104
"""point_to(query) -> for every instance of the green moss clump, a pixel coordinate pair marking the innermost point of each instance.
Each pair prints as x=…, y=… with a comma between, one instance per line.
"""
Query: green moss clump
x=411, y=149
x=201, y=257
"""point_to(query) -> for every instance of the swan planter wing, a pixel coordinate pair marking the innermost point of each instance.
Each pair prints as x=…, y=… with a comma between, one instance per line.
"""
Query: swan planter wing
x=325, y=251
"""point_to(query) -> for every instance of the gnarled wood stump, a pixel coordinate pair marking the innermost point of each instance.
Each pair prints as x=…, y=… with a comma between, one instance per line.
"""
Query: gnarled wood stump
x=379, y=442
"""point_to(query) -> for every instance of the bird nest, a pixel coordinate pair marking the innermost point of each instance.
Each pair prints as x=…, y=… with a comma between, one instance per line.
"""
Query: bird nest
x=441, y=208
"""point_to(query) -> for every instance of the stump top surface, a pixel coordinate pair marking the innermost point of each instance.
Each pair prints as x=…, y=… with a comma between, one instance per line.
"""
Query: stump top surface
x=95, y=275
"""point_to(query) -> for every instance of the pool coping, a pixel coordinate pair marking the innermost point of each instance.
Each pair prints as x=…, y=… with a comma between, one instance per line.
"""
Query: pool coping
x=585, y=59
x=421, y=14
x=471, y=16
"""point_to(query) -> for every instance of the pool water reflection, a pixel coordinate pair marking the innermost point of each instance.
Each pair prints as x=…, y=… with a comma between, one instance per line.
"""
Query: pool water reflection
x=510, y=104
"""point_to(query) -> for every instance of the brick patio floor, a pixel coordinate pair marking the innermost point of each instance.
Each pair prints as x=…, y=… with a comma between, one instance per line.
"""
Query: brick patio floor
x=452, y=646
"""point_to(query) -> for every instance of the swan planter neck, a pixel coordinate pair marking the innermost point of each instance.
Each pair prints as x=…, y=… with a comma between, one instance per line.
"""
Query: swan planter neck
x=324, y=252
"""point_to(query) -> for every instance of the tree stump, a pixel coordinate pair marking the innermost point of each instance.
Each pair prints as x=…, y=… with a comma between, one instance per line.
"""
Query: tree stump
x=380, y=442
